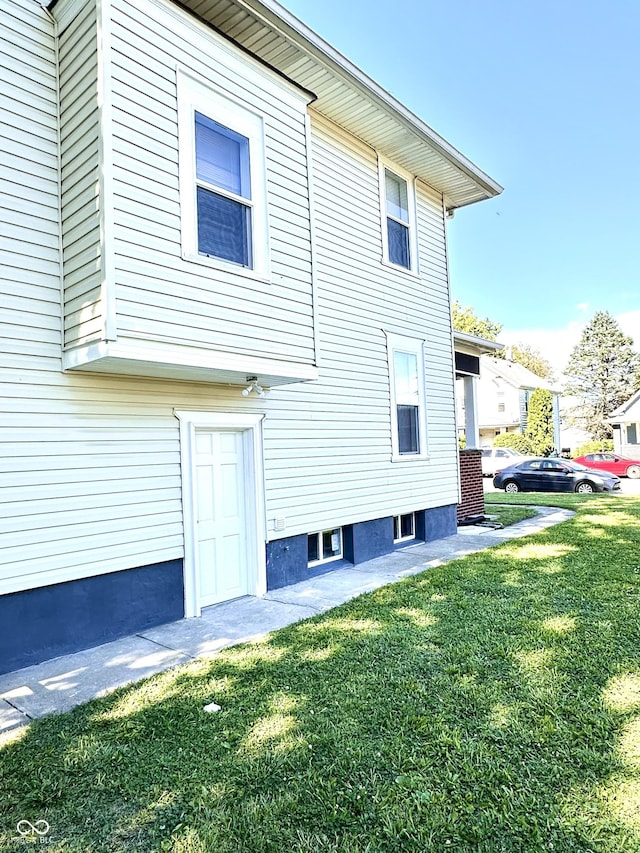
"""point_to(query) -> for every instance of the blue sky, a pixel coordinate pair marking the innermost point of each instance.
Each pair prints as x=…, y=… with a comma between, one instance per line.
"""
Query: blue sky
x=544, y=97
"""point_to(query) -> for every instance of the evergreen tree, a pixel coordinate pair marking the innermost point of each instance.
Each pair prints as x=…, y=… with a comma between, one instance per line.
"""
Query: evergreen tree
x=540, y=422
x=602, y=373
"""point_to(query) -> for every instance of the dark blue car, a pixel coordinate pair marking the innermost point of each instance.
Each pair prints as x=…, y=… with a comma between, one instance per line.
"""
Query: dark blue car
x=554, y=475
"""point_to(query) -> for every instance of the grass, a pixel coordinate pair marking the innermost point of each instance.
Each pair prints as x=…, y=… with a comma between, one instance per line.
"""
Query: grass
x=491, y=704
x=507, y=515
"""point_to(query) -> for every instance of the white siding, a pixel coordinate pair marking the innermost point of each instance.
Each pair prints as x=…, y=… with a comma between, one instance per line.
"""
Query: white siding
x=81, y=200
x=160, y=296
x=328, y=444
x=90, y=464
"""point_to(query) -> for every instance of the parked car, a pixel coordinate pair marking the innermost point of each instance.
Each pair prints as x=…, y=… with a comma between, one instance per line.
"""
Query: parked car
x=611, y=462
x=494, y=459
x=554, y=475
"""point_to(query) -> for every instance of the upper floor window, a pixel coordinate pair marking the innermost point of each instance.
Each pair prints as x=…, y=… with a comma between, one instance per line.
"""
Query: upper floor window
x=223, y=191
x=398, y=233
x=408, y=418
x=222, y=179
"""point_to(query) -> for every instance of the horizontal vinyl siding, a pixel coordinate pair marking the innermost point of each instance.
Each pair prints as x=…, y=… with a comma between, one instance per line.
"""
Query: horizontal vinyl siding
x=328, y=444
x=89, y=465
x=81, y=240
x=90, y=477
x=161, y=296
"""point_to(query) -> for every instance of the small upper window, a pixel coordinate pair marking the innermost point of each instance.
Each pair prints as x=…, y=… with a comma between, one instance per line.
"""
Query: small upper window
x=399, y=219
x=222, y=179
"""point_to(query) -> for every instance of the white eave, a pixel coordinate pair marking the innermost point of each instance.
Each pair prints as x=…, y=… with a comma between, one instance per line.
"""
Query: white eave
x=473, y=345
x=625, y=411
x=347, y=96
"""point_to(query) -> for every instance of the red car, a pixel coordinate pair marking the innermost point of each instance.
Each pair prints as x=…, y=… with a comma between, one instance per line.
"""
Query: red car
x=612, y=463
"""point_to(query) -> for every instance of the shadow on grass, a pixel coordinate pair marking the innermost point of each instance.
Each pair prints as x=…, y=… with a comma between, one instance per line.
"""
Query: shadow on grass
x=492, y=704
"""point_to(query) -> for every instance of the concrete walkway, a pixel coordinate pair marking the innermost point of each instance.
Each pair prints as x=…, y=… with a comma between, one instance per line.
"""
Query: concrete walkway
x=58, y=685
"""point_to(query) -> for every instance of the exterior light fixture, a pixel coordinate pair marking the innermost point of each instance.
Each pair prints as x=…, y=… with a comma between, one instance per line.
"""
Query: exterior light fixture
x=253, y=386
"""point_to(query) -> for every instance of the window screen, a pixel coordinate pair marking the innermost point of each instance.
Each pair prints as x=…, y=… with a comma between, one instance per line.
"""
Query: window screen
x=223, y=192
x=407, y=401
x=397, y=219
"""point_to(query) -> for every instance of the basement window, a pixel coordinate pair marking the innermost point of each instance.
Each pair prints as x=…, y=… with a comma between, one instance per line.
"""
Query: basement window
x=404, y=527
x=324, y=546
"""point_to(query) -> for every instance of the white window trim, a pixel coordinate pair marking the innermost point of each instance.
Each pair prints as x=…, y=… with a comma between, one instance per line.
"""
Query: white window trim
x=313, y=563
x=194, y=95
x=414, y=346
x=411, y=204
x=190, y=421
x=405, y=538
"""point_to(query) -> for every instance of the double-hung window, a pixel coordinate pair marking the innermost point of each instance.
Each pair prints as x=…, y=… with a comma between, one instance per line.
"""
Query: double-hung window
x=223, y=191
x=406, y=379
x=398, y=213
x=222, y=179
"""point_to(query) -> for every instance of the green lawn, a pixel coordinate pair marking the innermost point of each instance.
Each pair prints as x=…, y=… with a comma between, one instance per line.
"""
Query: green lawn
x=506, y=515
x=488, y=705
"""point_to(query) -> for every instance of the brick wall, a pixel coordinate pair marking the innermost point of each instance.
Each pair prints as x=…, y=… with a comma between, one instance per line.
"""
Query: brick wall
x=472, y=504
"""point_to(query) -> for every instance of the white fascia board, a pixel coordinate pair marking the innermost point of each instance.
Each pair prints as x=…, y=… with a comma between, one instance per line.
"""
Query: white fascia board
x=165, y=358
x=291, y=27
x=622, y=412
x=473, y=345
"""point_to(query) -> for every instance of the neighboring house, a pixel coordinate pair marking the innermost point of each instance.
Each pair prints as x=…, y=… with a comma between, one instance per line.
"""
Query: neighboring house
x=626, y=428
x=504, y=391
x=467, y=352
x=572, y=435
x=226, y=349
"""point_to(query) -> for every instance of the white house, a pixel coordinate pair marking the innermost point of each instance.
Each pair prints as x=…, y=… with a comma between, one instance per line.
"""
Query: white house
x=504, y=390
x=626, y=427
x=226, y=348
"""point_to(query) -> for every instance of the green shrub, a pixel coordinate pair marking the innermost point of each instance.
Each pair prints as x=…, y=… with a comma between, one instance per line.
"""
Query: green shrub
x=540, y=422
x=604, y=445
x=516, y=441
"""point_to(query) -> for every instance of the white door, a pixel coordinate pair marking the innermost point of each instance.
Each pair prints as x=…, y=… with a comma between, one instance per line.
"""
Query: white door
x=221, y=515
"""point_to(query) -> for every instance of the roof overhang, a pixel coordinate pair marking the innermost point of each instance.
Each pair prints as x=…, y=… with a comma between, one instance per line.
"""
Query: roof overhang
x=627, y=411
x=473, y=345
x=347, y=96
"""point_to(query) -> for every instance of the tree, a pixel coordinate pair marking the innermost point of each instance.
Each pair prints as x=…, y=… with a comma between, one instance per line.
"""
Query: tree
x=466, y=320
x=516, y=441
x=533, y=360
x=540, y=430
x=602, y=373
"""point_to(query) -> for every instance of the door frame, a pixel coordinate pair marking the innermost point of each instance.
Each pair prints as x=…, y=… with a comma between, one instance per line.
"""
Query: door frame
x=251, y=427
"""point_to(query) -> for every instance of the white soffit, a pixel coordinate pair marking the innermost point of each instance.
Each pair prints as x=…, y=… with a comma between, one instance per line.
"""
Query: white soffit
x=347, y=96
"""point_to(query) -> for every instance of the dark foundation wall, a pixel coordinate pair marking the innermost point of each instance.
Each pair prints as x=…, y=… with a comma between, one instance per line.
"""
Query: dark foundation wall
x=40, y=624
x=287, y=558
